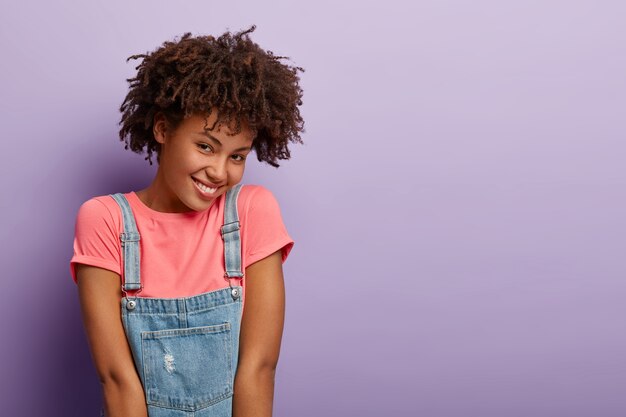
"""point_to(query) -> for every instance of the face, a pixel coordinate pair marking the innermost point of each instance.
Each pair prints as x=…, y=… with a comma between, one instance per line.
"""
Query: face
x=197, y=166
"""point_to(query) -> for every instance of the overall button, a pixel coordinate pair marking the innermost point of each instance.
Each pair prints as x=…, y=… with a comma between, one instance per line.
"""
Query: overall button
x=130, y=305
x=235, y=292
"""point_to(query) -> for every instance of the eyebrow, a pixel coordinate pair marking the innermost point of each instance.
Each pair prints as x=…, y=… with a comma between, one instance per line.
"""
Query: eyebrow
x=213, y=138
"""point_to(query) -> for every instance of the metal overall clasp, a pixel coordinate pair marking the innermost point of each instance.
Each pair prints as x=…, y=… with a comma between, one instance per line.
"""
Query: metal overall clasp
x=130, y=301
x=234, y=292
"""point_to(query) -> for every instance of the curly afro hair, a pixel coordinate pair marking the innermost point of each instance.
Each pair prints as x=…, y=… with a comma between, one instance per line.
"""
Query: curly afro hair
x=231, y=74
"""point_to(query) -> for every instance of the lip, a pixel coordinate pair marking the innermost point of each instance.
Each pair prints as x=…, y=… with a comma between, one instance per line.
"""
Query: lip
x=208, y=184
x=202, y=193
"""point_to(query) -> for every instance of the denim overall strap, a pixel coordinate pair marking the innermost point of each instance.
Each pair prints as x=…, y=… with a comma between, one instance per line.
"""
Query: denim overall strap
x=230, y=235
x=130, y=245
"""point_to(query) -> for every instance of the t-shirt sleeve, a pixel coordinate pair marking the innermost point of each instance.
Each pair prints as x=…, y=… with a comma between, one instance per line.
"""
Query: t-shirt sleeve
x=265, y=231
x=95, y=238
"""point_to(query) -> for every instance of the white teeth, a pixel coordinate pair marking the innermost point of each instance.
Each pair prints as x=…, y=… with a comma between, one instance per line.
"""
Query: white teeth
x=204, y=188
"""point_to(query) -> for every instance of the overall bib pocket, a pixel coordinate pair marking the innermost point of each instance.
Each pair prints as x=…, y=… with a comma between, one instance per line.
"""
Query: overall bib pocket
x=188, y=368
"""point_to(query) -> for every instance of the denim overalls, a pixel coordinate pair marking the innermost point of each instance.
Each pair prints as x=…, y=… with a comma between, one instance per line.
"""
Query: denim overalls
x=185, y=349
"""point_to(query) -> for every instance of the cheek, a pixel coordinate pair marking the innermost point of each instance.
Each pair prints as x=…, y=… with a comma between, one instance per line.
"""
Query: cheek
x=236, y=172
x=183, y=168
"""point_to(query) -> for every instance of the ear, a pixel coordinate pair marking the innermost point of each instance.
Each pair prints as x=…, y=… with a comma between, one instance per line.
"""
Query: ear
x=159, y=127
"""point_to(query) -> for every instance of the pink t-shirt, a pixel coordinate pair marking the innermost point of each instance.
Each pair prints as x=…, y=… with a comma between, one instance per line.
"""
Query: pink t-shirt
x=182, y=254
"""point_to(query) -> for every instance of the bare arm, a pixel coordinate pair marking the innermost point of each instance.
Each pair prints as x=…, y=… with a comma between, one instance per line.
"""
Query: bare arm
x=259, y=341
x=100, y=294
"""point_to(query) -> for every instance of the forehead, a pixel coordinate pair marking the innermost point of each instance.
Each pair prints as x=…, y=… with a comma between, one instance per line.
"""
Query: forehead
x=201, y=123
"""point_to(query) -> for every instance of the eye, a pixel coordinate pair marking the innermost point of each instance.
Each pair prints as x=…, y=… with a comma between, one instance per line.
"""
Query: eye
x=205, y=147
x=241, y=157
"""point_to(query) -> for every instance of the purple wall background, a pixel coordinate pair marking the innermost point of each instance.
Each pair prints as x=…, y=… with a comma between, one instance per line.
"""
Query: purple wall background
x=458, y=208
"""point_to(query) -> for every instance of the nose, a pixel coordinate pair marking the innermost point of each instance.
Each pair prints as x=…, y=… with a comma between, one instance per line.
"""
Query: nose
x=216, y=172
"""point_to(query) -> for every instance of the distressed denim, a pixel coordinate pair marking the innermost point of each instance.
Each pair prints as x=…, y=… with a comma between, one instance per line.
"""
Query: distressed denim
x=185, y=349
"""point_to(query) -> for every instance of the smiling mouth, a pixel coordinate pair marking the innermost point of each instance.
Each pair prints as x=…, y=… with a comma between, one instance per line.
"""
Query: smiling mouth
x=204, y=188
